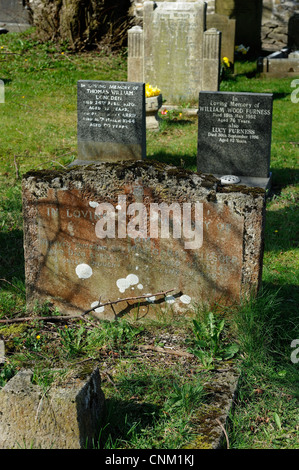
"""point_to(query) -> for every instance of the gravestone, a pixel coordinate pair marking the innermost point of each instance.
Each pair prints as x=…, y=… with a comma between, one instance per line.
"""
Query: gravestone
x=227, y=26
x=111, y=121
x=174, y=51
x=65, y=416
x=14, y=15
x=279, y=64
x=129, y=229
x=234, y=136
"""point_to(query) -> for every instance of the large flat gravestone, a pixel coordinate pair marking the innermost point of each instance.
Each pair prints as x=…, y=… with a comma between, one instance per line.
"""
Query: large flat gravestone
x=234, y=136
x=111, y=121
x=97, y=232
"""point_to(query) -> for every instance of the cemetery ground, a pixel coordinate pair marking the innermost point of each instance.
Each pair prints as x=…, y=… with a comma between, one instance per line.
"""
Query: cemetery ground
x=154, y=399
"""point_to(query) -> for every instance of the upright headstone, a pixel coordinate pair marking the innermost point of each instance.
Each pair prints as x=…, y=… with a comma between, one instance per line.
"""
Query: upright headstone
x=234, y=136
x=114, y=231
x=111, y=121
x=227, y=26
x=178, y=54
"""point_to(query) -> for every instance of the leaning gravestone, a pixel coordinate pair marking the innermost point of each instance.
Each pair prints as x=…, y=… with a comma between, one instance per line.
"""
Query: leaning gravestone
x=111, y=121
x=131, y=229
x=234, y=136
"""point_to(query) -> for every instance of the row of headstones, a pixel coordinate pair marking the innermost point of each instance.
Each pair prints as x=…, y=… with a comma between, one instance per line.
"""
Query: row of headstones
x=234, y=129
x=74, y=254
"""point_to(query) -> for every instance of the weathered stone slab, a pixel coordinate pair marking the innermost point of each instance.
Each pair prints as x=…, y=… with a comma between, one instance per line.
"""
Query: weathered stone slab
x=234, y=134
x=111, y=121
x=176, y=55
x=63, y=417
x=227, y=26
x=214, y=255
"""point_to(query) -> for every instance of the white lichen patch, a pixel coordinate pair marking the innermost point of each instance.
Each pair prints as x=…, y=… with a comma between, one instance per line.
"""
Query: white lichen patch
x=140, y=286
x=152, y=298
x=126, y=282
x=185, y=299
x=98, y=309
x=169, y=299
x=83, y=271
x=93, y=204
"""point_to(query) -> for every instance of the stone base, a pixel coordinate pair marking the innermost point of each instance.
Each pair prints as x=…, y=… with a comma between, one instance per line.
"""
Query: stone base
x=64, y=417
x=254, y=181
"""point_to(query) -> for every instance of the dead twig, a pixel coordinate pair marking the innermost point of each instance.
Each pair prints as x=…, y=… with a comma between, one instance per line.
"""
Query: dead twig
x=145, y=296
x=175, y=352
x=16, y=287
x=58, y=318
x=16, y=167
x=225, y=433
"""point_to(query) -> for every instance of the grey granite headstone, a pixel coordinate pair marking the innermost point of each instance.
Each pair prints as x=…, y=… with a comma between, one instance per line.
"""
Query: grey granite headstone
x=234, y=136
x=111, y=121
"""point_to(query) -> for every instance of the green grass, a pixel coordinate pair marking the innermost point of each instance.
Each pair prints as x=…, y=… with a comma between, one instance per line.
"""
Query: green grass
x=153, y=400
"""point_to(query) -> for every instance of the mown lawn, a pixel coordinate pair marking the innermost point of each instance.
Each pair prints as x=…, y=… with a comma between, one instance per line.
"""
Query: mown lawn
x=38, y=130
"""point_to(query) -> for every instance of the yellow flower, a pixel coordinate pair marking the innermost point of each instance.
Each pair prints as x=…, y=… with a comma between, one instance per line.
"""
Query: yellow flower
x=38, y=337
x=151, y=91
x=226, y=61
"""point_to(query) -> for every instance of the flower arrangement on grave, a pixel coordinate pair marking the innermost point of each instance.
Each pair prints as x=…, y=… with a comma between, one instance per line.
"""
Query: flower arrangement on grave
x=151, y=91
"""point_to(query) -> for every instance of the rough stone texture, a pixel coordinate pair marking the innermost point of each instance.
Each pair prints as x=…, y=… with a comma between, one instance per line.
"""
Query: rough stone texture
x=67, y=263
x=227, y=27
x=210, y=435
x=279, y=28
x=174, y=50
x=234, y=128
x=64, y=417
x=111, y=121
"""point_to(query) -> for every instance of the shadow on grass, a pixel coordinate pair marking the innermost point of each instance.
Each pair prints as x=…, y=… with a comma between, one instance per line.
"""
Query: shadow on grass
x=282, y=177
x=123, y=420
x=181, y=160
x=12, y=256
x=282, y=229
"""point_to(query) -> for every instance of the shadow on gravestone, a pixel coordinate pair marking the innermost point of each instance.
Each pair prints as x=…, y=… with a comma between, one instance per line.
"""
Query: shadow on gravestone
x=128, y=229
